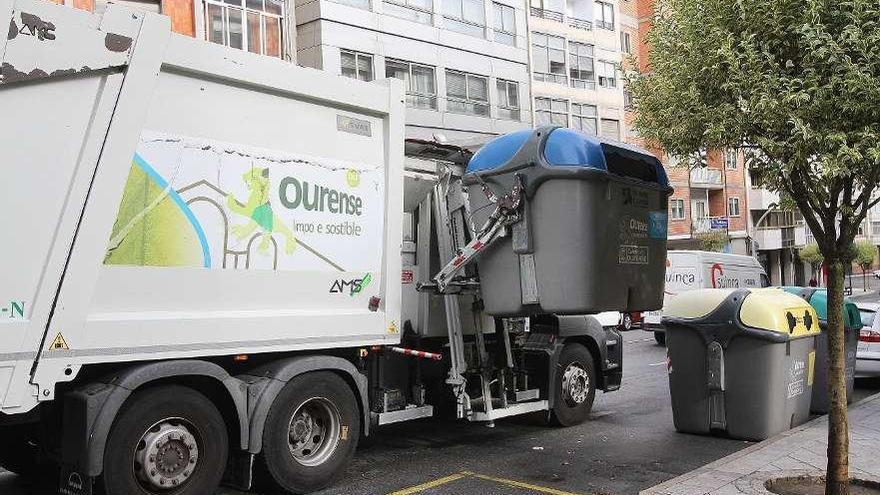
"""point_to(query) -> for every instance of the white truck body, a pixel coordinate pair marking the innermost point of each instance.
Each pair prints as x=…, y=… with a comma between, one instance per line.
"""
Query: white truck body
x=164, y=197
x=690, y=270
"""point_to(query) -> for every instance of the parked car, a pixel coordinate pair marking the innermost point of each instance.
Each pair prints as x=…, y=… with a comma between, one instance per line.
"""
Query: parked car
x=621, y=321
x=689, y=270
x=868, y=353
x=877, y=273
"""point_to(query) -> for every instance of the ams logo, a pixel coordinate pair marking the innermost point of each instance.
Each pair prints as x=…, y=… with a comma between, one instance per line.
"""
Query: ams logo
x=351, y=287
x=32, y=25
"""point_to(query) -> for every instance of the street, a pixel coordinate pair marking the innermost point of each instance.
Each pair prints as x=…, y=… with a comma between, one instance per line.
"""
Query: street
x=628, y=445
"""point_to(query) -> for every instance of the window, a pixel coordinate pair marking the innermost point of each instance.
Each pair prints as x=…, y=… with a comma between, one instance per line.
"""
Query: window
x=611, y=129
x=580, y=13
x=504, y=17
x=607, y=74
x=356, y=65
x=676, y=209
x=581, y=65
x=733, y=207
x=467, y=93
x=627, y=99
x=413, y=10
x=508, y=100
x=551, y=112
x=548, y=9
x=585, y=118
x=548, y=53
x=875, y=228
x=604, y=15
x=465, y=16
x=730, y=159
x=421, y=89
x=625, y=42
x=252, y=25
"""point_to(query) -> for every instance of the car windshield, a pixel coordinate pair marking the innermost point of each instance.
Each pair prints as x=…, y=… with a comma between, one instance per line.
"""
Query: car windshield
x=867, y=317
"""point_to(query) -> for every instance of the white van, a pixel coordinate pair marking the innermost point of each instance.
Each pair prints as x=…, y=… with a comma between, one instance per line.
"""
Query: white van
x=689, y=270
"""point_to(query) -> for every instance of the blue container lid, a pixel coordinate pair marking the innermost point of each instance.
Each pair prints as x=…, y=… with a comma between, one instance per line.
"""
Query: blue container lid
x=572, y=148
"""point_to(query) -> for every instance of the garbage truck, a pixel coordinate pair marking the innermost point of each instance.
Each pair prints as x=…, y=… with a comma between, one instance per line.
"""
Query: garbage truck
x=216, y=265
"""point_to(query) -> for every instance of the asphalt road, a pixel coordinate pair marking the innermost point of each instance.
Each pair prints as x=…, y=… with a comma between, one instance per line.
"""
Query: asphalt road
x=628, y=445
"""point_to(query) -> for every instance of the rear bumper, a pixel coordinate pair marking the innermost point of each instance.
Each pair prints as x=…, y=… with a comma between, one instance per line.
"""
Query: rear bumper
x=867, y=366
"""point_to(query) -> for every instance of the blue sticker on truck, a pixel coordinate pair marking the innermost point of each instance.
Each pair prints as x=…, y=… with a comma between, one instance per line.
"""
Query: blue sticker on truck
x=657, y=225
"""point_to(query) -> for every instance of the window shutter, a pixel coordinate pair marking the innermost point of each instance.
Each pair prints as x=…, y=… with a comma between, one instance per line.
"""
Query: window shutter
x=456, y=85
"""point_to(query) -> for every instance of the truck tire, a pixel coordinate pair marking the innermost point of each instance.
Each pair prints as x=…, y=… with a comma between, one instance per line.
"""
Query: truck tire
x=626, y=321
x=575, y=384
x=660, y=337
x=311, y=432
x=167, y=436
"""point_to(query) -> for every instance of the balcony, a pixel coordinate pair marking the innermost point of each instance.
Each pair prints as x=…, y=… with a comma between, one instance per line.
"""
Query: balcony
x=580, y=24
x=761, y=199
x=706, y=178
x=547, y=14
x=709, y=224
x=781, y=238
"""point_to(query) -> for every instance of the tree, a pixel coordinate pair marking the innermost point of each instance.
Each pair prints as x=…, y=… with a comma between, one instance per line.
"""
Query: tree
x=811, y=254
x=864, y=258
x=715, y=240
x=794, y=83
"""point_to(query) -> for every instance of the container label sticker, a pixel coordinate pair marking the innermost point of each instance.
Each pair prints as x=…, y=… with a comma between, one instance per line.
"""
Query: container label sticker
x=632, y=255
x=196, y=202
x=657, y=225
x=407, y=277
x=797, y=378
x=811, y=367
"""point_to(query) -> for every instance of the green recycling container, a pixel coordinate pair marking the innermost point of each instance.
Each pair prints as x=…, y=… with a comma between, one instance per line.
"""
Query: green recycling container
x=741, y=361
x=852, y=323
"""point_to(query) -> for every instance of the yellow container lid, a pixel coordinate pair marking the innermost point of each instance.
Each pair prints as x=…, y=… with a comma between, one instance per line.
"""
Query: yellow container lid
x=779, y=311
x=769, y=309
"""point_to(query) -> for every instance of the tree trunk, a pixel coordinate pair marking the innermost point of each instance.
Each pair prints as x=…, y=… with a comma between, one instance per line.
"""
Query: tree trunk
x=838, y=425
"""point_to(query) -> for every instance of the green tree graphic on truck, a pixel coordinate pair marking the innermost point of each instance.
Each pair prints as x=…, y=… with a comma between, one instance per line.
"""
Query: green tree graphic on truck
x=259, y=211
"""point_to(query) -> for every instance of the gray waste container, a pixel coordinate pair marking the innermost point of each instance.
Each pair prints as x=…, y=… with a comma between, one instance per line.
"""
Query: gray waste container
x=852, y=323
x=741, y=361
x=593, y=233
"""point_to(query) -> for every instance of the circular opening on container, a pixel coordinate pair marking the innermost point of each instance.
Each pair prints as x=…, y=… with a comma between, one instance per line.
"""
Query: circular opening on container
x=815, y=485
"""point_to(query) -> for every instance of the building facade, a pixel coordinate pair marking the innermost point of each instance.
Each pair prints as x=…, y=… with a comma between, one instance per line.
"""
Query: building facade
x=577, y=51
x=464, y=62
x=710, y=196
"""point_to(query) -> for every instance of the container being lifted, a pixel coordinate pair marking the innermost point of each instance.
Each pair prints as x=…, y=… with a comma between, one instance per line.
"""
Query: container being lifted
x=205, y=260
x=592, y=212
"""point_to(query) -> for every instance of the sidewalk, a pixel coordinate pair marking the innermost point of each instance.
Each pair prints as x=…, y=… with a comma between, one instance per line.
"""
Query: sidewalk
x=801, y=450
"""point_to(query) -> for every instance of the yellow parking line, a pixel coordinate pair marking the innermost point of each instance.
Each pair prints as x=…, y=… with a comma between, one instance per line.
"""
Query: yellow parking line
x=431, y=484
x=520, y=484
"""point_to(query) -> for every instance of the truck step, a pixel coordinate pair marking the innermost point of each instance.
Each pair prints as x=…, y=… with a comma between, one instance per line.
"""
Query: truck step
x=407, y=414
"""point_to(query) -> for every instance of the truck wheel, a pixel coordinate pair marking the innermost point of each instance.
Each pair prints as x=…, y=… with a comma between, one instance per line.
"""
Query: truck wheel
x=660, y=337
x=167, y=440
x=311, y=432
x=575, y=384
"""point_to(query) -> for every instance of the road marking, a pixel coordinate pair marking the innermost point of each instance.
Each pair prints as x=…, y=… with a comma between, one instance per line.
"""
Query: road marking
x=520, y=484
x=661, y=363
x=467, y=474
x=430, y=484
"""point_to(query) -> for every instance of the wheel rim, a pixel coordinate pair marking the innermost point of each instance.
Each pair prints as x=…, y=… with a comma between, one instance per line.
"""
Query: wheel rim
x=627, y=322
x=575, y=384
x=313, y=432
x=166, y=455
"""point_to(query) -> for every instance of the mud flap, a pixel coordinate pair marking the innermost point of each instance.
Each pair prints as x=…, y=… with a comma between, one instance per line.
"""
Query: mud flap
x=73, y=482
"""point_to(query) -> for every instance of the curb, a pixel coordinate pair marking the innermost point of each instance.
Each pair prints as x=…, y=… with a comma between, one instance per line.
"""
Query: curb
x=714, y=465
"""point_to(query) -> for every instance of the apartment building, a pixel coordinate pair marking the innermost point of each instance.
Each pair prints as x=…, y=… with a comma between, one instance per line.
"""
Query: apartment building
x=464, y=62
x=576, y=57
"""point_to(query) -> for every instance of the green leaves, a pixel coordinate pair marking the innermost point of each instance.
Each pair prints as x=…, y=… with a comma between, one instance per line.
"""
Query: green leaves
x=795, y=81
